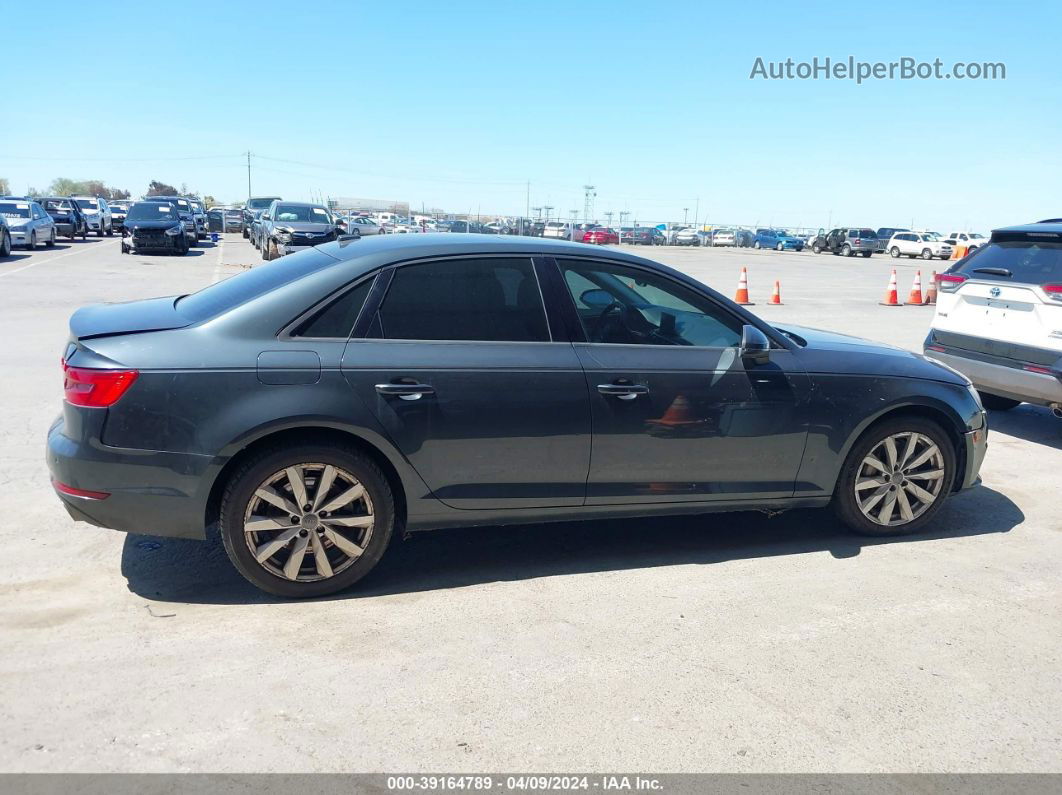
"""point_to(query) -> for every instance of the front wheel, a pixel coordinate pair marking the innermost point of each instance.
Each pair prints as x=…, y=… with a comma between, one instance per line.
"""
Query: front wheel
x=5, y=244
x=110, y=231
x=997, y=402
x=896, y=477
x=50, y=242
x=927, y=254
x=307, y=521
x=780, y=247
x=32, y=241
x=817, y=248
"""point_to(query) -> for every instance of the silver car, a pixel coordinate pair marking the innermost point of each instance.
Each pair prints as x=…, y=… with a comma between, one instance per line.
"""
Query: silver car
x=364, y=224
x=29, y=224
x=97, y=214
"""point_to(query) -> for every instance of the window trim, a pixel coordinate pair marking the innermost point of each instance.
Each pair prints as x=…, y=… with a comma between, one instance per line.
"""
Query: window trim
x=287, y=334
x=379, y=295
x=579, y=335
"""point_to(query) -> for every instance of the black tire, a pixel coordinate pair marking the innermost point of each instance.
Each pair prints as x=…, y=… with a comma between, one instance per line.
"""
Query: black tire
x=846, y=250
x=816, y=248
x=110, y=230
x=32, y=245
x=125, y=248
x=273, y=249
x=780, y=247
x=844, y=501
x=5, y=244
x=997, y=402
x=73, y=233
x=50, y=242
x=927, y=254
x=84, y=232
x=253, y=473
x=866, y=254
x=265, y=251
x=245, y=235
x=894, y=252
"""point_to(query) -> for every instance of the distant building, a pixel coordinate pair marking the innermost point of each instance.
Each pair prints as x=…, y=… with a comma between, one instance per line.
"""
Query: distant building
x=369, y=205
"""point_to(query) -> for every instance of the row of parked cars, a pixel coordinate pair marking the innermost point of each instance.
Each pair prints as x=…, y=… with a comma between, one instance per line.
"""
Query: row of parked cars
x=897, y=242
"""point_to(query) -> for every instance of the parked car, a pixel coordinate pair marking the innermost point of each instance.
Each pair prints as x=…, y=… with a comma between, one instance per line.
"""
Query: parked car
x=465, y=227
x=972, y=240
x=200, y=218
x=155, y=226
x=184, y=211
x=847, y=241
x=999, y=318
x=687, y=237
x=642, y=236
x=926, y=245
x=724, y=237
x=885, y=234
x=365, y=225
x=558, y=230
x=254, y=208
x=118, y=213
x=287, y=227
x=27, y=223
x=313, y=407
x=97, y=214
x=778, y=239
x=67, y=217
x=233, y=220
x=601, y=235
x=5, y=238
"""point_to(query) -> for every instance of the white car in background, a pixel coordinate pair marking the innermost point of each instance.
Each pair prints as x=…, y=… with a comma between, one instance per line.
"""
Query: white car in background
x=724, y=237
x=927, y=245
x=365, y=225
x=971, y=240
x=557, y=230
x=998, y=319
x=97, y=214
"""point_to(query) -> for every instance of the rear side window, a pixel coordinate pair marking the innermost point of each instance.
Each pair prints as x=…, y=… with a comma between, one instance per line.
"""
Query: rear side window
x=337, y=319
x=1026, y=262
x=477, y=299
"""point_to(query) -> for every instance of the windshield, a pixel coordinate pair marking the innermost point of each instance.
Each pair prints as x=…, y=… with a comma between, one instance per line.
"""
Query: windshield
x=196, y=206
x=15, y=209
x=1027, y=262
x=261, y=204
x=151, y=211
x=975, y=236
x=233, y=214
x=88, y=204
x=295, y=212
x=931, y=236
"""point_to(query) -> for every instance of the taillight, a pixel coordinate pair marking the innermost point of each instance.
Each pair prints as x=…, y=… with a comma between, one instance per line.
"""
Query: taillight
x=95, y=388
x=1053, y=291
x=1035, y=368
x=949, y=282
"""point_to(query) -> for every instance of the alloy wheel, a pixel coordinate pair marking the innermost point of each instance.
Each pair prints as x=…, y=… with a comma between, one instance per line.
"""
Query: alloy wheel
x=308, y=522
x=899, y=479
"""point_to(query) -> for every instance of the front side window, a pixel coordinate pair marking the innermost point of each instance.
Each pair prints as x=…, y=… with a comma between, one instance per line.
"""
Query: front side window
x=626, y=306
x=475, y=299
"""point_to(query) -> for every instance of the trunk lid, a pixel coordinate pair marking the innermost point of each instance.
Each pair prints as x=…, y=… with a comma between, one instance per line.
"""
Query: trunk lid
x=105, y=320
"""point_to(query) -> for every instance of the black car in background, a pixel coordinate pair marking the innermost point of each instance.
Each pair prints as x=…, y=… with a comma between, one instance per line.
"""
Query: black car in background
x=184, y=209
x=315, y=406
x=641, y=236
x=153, y=226
x=253, y=210
x=67, y=215
x=885, y=234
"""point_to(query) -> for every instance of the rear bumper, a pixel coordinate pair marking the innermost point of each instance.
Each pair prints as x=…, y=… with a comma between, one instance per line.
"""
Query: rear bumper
x=150, y=492
x=999, y=375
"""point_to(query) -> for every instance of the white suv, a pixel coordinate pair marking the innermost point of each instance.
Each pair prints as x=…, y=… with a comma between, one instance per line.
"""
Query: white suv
x=999, y=318
x=971, y=240
x=926, y=245
x=97, y=214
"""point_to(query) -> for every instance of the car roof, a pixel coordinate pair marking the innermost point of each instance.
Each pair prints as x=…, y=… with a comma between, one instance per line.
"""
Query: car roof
x=1031, y=229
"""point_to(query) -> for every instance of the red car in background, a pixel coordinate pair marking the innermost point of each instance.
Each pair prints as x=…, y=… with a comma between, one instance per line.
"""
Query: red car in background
x=601, y=235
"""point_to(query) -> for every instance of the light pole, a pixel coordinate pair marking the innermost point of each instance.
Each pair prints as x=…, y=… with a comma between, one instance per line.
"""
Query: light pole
x=547, y=208
x=685, y=213
x=571, y=231
x=608, y=217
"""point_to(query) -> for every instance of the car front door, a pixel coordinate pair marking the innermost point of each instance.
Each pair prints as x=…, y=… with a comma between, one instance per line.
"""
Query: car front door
x=470, y=382
x=677, y=416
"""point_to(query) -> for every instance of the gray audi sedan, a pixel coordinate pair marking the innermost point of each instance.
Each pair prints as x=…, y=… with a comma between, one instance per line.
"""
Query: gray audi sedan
x=316, y=406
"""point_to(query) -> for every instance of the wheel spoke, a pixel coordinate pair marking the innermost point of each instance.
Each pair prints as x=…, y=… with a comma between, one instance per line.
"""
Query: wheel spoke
x=328, y=477
x=298, y=552
x=905, y=505
x=270, y=548
x=260, y=524
x=871, y=461
x=885, y=514
x=890, y=452
x=929, y=474
x=908, y=451
x=349, y=521
x=874, y=499
x=925, y=455
x=320, y=556
x=298, y=486
x=271, y=496
x=354, y=492
x=925, y=496
x=866, y=483
x=344, y=543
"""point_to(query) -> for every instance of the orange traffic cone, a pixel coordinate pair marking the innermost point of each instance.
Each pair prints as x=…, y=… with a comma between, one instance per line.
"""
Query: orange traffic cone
x=931, y=291
x=891, y=299
x=914, y=298
x=776, y=296
x=742, y=296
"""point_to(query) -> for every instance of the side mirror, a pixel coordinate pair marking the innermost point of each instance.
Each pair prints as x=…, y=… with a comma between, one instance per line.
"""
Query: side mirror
x=755, y=347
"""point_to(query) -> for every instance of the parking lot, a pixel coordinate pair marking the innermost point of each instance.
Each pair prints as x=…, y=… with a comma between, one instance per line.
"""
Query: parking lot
x=729, y=642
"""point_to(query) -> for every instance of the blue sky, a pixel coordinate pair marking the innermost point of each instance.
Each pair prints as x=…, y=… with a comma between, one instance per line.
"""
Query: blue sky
x=458, y=105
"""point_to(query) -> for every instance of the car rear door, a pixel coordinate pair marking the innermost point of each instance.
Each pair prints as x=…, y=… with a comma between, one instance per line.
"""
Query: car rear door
x=677, y=416
x=484, y=397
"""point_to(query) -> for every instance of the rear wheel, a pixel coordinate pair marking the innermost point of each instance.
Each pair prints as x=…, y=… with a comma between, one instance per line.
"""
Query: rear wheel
x=894, y=252
x=997, y=402
x=110, y=230
x=896, y=477
x=816, y=248
x=307, y=521
x=780, y=246
x=846, y=250
x=866, y=254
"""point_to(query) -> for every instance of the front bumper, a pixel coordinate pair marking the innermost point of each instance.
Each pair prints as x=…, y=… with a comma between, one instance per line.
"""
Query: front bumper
x=95, y=224
x=166, y=243
x=151, y=492
x=20, y=237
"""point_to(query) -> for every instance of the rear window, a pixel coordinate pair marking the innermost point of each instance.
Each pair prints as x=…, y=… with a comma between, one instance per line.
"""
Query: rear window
x=1025, y=261
x=239, y=289
x=861, y=233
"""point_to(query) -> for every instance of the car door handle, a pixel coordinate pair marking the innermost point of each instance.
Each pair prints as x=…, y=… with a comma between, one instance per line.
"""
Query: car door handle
x=623, y=391
x=406, y=391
